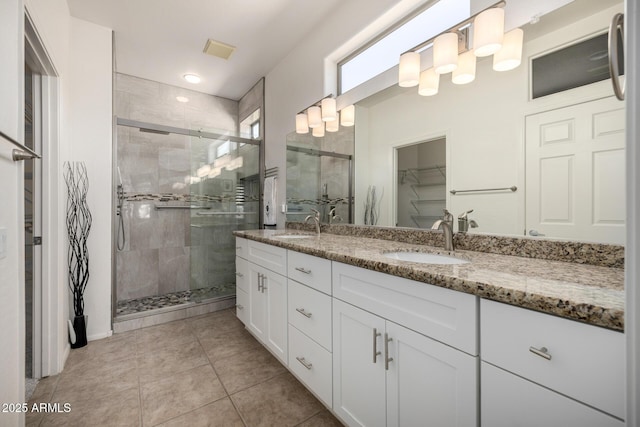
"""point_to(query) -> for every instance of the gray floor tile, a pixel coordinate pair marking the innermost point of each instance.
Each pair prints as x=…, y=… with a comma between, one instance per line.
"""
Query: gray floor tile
x=247, y=369
x=217, y=414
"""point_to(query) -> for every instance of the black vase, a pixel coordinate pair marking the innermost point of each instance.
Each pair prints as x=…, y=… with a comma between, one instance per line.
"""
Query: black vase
x=80, y=328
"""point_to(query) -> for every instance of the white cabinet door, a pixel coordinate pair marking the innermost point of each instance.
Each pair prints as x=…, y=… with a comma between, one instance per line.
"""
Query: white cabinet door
x=358, y=383
x=257, y=303
x=275, y=294
x=428, y=383
x=511, y=401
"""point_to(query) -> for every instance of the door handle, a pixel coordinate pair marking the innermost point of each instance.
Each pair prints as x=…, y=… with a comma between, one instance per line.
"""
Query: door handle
x=535, y=233
x=303, y=312
x=304, y=363
x=542, y=352
x=302, y=270
x=260, y=284
x=617, y=21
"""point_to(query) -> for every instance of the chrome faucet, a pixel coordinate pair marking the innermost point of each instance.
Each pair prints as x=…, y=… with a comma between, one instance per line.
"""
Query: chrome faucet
x=316, y=218
x=447, y=227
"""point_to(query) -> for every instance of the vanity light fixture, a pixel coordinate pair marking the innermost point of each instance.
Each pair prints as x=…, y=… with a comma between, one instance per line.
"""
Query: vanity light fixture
x=348, y=116
x=192, y=78
x=318, y=131
x=328, y=109
x=302, y=124
x=333, y=125
x=466, y=71
x=452, y=52
x=510, y=56
x=323, y=116
x=314, y=117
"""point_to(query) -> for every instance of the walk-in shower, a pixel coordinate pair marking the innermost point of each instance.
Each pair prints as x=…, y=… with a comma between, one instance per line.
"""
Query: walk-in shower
x=180, y=193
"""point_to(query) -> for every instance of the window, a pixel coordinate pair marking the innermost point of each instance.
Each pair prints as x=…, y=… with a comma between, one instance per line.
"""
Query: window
x=383, y=52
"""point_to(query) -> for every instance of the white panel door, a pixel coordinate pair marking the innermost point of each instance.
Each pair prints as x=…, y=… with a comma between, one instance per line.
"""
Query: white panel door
x=358, y=372
x=429, y=383
x=575, y=173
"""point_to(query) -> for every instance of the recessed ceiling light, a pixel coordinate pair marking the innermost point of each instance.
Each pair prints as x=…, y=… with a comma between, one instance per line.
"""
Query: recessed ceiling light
x=182, y=99
x=192, y=78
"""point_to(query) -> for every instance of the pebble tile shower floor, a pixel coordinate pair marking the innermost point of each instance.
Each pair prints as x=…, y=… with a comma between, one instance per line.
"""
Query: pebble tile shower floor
x=138, y=305
x=202, y=371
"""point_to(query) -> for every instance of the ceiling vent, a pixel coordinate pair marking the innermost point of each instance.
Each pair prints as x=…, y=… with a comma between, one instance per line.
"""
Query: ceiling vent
x=219, y=49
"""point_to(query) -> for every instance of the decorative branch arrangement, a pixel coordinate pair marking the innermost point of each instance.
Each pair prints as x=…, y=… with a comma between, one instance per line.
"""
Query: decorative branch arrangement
x=371, y=206
x=78, y=226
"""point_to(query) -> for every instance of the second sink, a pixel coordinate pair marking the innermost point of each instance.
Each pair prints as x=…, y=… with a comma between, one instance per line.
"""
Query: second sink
x=425, y=258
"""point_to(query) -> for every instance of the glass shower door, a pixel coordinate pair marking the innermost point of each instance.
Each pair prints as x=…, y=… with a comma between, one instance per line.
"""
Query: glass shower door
x=224, y=196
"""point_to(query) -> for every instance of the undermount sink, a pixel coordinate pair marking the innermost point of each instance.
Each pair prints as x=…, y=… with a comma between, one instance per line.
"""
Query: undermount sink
x=425, y=258
x=292, y=236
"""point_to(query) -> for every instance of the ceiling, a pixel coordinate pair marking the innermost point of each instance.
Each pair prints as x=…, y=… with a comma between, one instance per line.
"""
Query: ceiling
x=162, y=40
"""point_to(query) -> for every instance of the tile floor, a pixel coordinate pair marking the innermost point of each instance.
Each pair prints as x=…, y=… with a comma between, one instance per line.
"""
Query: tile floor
x=203, y=371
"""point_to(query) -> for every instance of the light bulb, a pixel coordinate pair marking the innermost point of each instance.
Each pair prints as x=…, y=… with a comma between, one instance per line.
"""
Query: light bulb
x=328, y=108
x=429, y=82
x=314, y=116
x=318, y=131
x=334, y=125
x=510, y=56
x=409, y=69
x=445, y=53
x=302, y=125
x=488, y=31
x=348, y=116
x=466, y=71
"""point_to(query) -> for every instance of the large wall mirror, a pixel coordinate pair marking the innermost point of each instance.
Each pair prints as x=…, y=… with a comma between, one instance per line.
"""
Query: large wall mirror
x=548, y=166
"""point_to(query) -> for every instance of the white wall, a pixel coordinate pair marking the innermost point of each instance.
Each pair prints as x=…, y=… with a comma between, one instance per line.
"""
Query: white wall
x=484, y=126
x=91, y=139
x=12, y=187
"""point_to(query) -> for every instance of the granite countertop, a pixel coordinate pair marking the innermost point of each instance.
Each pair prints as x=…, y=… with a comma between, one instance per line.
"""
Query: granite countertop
x=588, y=293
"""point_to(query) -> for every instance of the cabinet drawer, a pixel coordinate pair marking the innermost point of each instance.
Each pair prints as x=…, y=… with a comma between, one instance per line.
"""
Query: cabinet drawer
x=310, y=270
x=317, y=374
x=442, y=314
x=267, y=256
x=242, y=273
x=587, y=362
x=242, y=305
x=310, y=311
x=508, y=400
x=242, y=247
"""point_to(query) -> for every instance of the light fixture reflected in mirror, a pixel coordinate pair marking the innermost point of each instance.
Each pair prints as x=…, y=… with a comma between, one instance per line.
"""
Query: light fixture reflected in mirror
x=348, y=116
x=302, y=124
x=314, y=117
x=318, y=131
x=334, y=125
x=510, y=56
x=328, y=108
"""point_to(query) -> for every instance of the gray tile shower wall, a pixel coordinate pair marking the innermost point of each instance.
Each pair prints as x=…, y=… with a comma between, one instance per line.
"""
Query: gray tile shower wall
x=163, y=252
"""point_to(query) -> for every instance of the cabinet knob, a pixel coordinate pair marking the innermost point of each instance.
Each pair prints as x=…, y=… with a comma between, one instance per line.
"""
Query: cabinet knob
x=303, y=270
x=303, y=312
x=542, y=352
x=304, y=363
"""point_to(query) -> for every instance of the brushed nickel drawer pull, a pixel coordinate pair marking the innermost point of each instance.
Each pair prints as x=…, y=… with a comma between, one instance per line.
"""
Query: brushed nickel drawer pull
x=302, y=270
x=376, y=353
x=304, y=313
x=304, y=362
x=542, y=352
x=387, y=359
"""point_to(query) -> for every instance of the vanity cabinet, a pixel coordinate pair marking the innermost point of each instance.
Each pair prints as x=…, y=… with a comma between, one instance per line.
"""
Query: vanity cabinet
x=539, y=369
x=386, y=371
x=267, y=292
